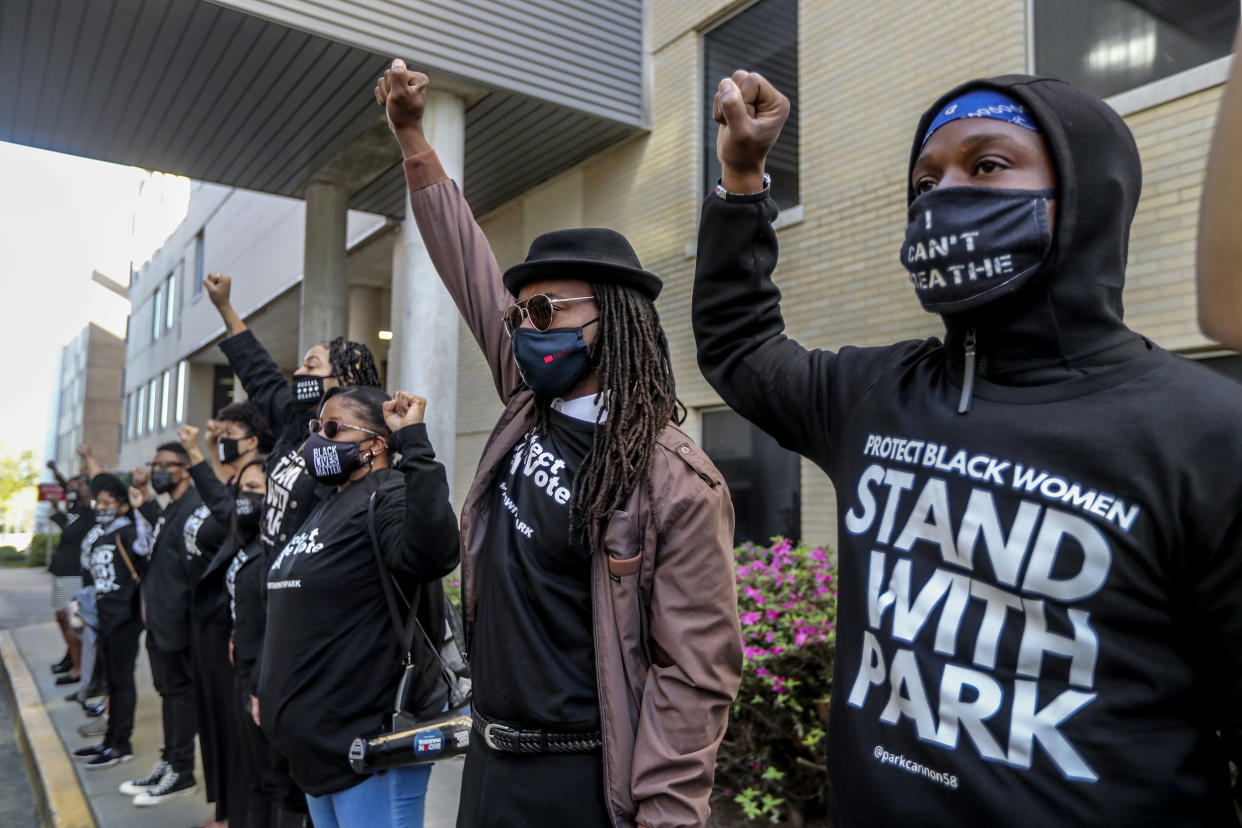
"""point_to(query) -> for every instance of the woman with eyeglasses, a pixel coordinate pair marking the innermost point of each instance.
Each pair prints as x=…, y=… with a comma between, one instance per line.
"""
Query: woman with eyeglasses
x=331, y=659
x=118, y=560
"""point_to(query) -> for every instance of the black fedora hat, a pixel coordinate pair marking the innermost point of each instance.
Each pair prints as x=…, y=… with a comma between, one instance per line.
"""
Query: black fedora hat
x=592, y=254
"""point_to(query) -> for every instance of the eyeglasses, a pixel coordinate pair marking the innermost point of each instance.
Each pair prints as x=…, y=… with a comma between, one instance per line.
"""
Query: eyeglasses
x=538, y=309
x=331, y=428
x=165, y=466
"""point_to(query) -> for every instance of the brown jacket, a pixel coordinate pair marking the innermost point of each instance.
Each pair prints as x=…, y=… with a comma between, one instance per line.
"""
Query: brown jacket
x=668, y=645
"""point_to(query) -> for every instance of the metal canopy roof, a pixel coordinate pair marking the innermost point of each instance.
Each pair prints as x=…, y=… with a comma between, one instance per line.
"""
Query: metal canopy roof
x=216, y=94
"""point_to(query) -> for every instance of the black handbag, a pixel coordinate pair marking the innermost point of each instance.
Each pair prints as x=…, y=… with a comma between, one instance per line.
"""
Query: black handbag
x=415, y=739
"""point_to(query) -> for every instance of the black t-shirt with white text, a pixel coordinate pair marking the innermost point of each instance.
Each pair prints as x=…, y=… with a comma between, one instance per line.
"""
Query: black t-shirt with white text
x=185, y=538
x=533, y=648
x=116, y=590
x=73, y=528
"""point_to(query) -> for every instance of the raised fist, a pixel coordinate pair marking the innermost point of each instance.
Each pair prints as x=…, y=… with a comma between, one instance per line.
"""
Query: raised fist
x=404, y=409
x=212, y=431
x=83, y=450
x=188, y=435
x=218, y=288
x=137, y=497
x=140, y=476
x=403, y=94
x=751, y=113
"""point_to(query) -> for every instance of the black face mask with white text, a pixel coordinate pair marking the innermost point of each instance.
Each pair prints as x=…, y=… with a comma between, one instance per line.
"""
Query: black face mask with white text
x=966, y=246
x=330, y=462
x=307, y=388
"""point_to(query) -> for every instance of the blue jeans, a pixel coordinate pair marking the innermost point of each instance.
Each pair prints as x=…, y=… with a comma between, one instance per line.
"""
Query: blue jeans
x=394, y=798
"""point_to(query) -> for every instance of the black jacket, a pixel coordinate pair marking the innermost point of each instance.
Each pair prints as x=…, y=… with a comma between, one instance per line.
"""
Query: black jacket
x=331, y=660
x=1039, y=620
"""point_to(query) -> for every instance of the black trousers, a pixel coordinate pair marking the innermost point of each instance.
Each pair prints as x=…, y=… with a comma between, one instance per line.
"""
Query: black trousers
x=119, y=648
x=509, y=790
x=213, y=696
x=174, y=680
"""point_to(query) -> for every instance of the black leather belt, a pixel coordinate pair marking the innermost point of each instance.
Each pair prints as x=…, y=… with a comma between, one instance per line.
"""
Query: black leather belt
x=508, y=739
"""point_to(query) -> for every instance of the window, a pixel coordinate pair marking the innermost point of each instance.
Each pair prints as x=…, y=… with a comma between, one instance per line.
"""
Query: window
x=222, y=388
x=763, y=39
x=170, y=299
x=166, y=396
x=157, y=313
x=129, y=416
x=152, y=390
x=763, y=478
x=1112, y=46
x=199, y=273
x=181, y=390
x=140, y=410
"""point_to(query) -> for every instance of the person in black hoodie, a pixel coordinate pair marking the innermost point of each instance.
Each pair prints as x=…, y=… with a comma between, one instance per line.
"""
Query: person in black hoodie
x=118, y=560
x=287, y=407
x=74, y=522
x=331, y=661
x=1039, y=517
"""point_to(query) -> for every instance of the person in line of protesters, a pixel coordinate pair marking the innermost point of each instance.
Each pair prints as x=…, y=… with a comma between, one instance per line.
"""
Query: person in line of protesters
x=599, y=579
x=287, y=407
x=64, y=565
x=177, y=561
x=331, y=658
x=95, y=684
x=1013, y=648
x=219, y=704
x=118, y=560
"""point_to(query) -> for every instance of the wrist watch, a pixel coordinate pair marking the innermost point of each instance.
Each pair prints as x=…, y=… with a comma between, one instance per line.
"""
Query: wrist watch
x=720, y=192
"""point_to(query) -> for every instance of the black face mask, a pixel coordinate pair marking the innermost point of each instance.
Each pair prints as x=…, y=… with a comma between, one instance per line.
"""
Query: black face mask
x=330, y=462
x=248, y=508
x=551, y=362
x=162, y=481
x=307, y=389
x=966, y=246
x=228, y=450
x=72, y=502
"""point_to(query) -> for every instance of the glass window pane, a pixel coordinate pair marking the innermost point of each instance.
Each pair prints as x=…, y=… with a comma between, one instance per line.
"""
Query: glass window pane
x=764, y=479
x=170, y=292
x=152, y=402
x=157, y=320
x=167, y=398
x=198, y=265
x=181, y=369
x=762, y=39
x=142, y=400
x=1112, y=46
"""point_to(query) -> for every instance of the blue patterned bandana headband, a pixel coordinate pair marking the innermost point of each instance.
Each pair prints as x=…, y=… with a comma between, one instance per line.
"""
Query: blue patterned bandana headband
x=983, y=103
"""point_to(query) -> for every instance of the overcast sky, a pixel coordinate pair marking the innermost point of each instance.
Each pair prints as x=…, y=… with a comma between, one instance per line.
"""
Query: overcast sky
x=60, y=218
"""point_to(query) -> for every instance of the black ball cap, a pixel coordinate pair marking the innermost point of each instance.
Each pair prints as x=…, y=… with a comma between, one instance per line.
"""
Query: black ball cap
x=592, y=254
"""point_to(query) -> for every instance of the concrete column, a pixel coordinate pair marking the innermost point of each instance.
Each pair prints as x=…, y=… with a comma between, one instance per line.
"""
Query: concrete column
x=423, y=356
x=325, y=293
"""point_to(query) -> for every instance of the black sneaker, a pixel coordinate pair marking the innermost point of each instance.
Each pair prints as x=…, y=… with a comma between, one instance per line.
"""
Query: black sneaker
x=61, y=681
x=137, y=786
x=171, y=786
x=63, y=666
x=95, y=710
x=107, y=758
x=90, y=751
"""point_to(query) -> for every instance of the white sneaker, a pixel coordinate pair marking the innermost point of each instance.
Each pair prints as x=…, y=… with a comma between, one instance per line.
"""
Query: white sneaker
x=172, y=786
x=137, y=786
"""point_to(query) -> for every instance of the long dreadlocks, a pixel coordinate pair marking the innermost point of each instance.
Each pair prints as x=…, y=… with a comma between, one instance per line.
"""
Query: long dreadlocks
x=352, y=363
x=635, y=377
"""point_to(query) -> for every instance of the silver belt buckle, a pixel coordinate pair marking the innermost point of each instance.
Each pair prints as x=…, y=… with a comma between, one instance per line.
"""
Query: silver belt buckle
x=487, y=736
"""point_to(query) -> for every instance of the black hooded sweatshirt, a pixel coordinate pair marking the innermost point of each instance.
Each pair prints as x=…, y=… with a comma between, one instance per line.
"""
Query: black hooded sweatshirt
x=1040, y=600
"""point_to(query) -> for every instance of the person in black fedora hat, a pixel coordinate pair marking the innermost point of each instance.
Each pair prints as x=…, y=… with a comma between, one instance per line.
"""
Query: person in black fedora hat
x=597, y=560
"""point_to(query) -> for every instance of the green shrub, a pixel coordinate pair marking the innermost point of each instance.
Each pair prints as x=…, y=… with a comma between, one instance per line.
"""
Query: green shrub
x=10, y=555
x=771, y=763
x=40, y=549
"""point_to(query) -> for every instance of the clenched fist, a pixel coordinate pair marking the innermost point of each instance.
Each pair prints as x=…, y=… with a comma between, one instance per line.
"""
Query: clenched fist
x=213, y=430
x=751, y=113
x=403, y=94
x=404, y=409
x=188, y=435
x=139, y=476
x=218, y=288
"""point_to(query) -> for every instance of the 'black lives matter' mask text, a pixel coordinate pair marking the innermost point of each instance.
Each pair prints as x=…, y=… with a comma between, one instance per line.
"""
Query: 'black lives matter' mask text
x=969, y=245
x=330, y=462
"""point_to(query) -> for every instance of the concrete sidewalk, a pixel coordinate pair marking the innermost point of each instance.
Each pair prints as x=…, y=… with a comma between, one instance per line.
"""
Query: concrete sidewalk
x=41, y=645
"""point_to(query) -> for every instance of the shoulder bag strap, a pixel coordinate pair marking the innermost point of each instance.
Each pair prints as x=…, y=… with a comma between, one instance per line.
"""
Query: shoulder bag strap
x=405, y=632
x=133, y=573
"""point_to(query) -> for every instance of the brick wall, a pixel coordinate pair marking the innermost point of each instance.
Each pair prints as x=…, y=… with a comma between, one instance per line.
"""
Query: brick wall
x=867, y=71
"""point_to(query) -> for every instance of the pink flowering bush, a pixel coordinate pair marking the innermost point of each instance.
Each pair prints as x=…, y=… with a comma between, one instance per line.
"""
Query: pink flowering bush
x=771, y=764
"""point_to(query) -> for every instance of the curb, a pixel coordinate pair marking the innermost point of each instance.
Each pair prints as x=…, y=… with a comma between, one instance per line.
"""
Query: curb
x=61, y=801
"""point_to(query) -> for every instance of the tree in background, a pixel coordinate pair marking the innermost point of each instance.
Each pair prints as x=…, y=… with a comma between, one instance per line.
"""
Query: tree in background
x=18, y=475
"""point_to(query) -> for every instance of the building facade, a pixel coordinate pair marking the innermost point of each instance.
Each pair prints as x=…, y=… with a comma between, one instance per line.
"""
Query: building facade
x=88, y=409
x=859, y=74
